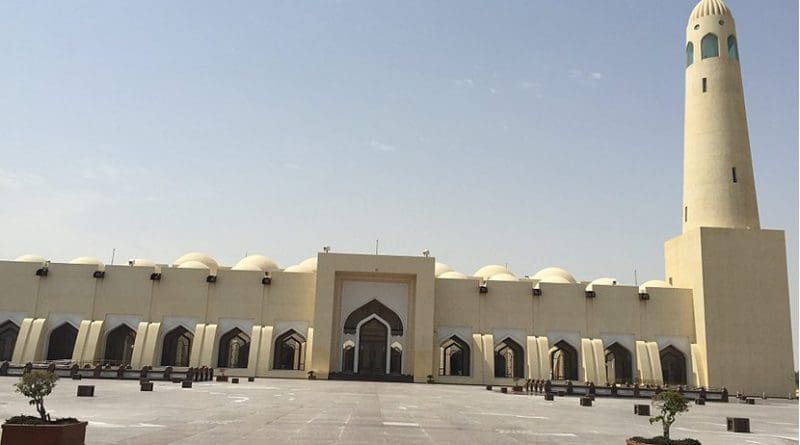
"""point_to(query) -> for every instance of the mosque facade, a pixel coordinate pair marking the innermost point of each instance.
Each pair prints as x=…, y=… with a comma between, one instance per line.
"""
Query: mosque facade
x=720, y=318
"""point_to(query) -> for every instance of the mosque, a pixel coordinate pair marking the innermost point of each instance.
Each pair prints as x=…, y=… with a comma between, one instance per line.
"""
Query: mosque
x=720, y=318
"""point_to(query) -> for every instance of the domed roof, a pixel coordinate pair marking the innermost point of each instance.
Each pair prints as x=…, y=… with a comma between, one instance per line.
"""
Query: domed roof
x=487, y=272
x=193, y=265
x=440, y=268
x=209, y=262
x=601, y=282
x=554, y=275
x=295, y=269
x=503, y=277
x=260, y=262
x=30, y=259
x=709, y=7
x=654, y=284
x=89, y=260
x=452, y=275
x=309, y=265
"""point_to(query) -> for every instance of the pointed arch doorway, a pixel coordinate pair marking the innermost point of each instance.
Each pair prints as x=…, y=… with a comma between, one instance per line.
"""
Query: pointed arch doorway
x=372, y=348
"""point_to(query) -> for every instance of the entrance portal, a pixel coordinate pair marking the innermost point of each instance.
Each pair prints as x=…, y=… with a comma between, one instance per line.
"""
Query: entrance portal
x=372, y=348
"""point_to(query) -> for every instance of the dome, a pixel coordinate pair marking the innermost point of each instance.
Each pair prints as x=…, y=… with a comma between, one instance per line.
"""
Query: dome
x=452, y=275
x=193, y=265
x=309, y=265
x=503, y=277
x=89, y=260
x=554, y=279
x=601, y=282
x=486, y=272
x=296, y=269
x=549, y=274
x=247, y=266
x=30, y=259
x=261, y=262
x=654, y=284
x=709, y=7
x=440, y=268
x=209, y=262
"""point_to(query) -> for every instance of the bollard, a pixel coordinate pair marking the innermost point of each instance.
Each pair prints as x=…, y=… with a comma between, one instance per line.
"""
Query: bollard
x=739, y=424
x=641, y=410
x=85, y=390
x=504, y=390
x=251, y=379
x=548, y=396
x=586, y=401
x=186, y=384
x=235, y=380
x=488, y=387
x=700, y=401
x=146, y=386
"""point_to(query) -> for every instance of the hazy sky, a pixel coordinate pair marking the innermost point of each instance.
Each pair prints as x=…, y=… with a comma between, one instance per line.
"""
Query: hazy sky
x=540, y=133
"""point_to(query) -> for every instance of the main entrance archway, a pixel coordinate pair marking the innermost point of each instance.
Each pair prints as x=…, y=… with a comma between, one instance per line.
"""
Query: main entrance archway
x=372, y=342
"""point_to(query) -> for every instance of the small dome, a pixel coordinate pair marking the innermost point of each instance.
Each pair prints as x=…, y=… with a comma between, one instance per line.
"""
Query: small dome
x=452, y=275
x=261, y=262
x=503, y=277
x=247, y=266
x=487, y=272
x=309, y=265
x=554, y=275
x=709, y=7
x=653, y=284
x=296, y=269
x=193, y=265
x=210, y=263
x=440, y=268
x=89, y=260
x=30, y=259
x=601, y=282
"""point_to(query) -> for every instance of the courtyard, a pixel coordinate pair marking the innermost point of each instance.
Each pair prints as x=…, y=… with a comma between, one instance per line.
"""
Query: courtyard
x=302, y=411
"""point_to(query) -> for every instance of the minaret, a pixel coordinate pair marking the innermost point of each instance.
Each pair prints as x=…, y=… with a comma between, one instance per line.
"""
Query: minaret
x=718, y=185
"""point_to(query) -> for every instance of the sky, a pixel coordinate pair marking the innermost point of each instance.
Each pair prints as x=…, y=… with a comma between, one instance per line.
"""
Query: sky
x=532, y=134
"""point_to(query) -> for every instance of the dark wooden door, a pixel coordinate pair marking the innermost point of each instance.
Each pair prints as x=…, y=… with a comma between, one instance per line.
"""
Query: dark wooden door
x=372, y=348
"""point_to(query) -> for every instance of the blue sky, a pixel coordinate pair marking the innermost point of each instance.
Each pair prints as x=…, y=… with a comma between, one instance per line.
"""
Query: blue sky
x=529, y=133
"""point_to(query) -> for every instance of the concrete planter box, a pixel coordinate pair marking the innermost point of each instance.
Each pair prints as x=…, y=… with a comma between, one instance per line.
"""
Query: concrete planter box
x=61, y=434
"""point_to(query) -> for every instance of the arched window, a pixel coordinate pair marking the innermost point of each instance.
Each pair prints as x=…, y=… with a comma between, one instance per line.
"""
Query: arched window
x=290, y=351
x=8, y=338
x=119, y=345
x=689, y=54
x=673, y=366
x=62, y=342
x=177, y=347
x=509, y=359
x=396, y=359
x=454, y=357
x=563, y=361
x=234, y=349
x=733, y=48
x=709, y=46
x=619, y=364
x=348, y=356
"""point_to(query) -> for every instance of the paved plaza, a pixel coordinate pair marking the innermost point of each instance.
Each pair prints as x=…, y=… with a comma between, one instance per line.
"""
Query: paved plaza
x=301, y=411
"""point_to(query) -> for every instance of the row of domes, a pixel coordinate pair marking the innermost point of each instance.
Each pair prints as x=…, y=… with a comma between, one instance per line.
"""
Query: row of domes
x=261, y=263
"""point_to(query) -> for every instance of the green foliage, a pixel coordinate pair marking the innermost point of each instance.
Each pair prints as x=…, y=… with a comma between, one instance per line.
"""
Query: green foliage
x=670, y=404
x=37, y=385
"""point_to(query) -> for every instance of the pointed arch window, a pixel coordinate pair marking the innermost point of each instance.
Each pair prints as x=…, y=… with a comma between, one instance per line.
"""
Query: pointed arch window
x=619, y=364
x=177, y=347
x=234, y=349
x=454, y=357
x=673, y=366
x=62, y=342
x=290, y=351
x=564, y=361
x=509, y=359
x=8, y=338
x=689, y=54
x=709, y=46
x=119, y=345
x=733, y=48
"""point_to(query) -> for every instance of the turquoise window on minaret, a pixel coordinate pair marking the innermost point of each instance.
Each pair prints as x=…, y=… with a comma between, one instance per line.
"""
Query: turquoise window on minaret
x=733, y=49
x=709, y=46
x=689, y=54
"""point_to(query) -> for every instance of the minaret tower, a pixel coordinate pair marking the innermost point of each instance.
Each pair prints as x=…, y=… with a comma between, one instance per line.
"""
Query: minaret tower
x=736, y=270
x=718, y=185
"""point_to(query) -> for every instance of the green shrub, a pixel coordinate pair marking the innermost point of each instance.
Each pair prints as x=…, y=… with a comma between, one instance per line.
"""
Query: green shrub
x=670, y=403
x=37, y=385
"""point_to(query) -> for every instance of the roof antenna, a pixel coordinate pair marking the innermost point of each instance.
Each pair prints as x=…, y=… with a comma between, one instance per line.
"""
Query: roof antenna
x=376, y=246
x=113, y=253
x=635, y=277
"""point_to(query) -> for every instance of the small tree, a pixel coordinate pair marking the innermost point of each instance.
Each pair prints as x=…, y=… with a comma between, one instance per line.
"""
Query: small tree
x=36, y=385
x=670, y=403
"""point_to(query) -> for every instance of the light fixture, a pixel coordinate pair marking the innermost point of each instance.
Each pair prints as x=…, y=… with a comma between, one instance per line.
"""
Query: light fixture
x=483, y=288
x=326, y=249
x=155, y=276
x=211, y=279
x=644, y=296
x=99, y=274
x=590, y=294
x=537, y=292
x=426, y=253
x=266, y=281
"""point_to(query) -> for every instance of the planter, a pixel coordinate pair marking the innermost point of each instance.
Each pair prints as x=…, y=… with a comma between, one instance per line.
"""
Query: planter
x=659, y=441
x=517, y=388
x=54, y=434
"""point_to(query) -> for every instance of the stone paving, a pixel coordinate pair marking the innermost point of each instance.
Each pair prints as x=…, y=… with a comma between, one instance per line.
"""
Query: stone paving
x=321, y=412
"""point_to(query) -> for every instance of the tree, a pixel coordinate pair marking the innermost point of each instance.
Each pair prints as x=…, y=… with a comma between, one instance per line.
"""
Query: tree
x=36, y=385
x=670, y=403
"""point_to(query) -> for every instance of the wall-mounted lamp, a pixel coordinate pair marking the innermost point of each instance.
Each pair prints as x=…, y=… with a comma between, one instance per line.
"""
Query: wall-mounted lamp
x=590, y=294
x=266, y=281
x=483, y=288
x=99, y=274
x=41, y=272
x=155, y=276
x=211, y=279
x=644, y=296
x=537, y=292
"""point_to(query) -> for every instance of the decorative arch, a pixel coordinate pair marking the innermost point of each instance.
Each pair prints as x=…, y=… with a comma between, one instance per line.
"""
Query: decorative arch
x=177, y=347
x=509, y=359
x=733, y=48
x=8, y=338
x=564, y=361
x=234, y=349
x=62, y=342
x=689, y=54
x=673, y=366
x=709, y=46
x=619, y=364
x=373, y=307
x=290, y=351
x=454, y=356
x=119, y=345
